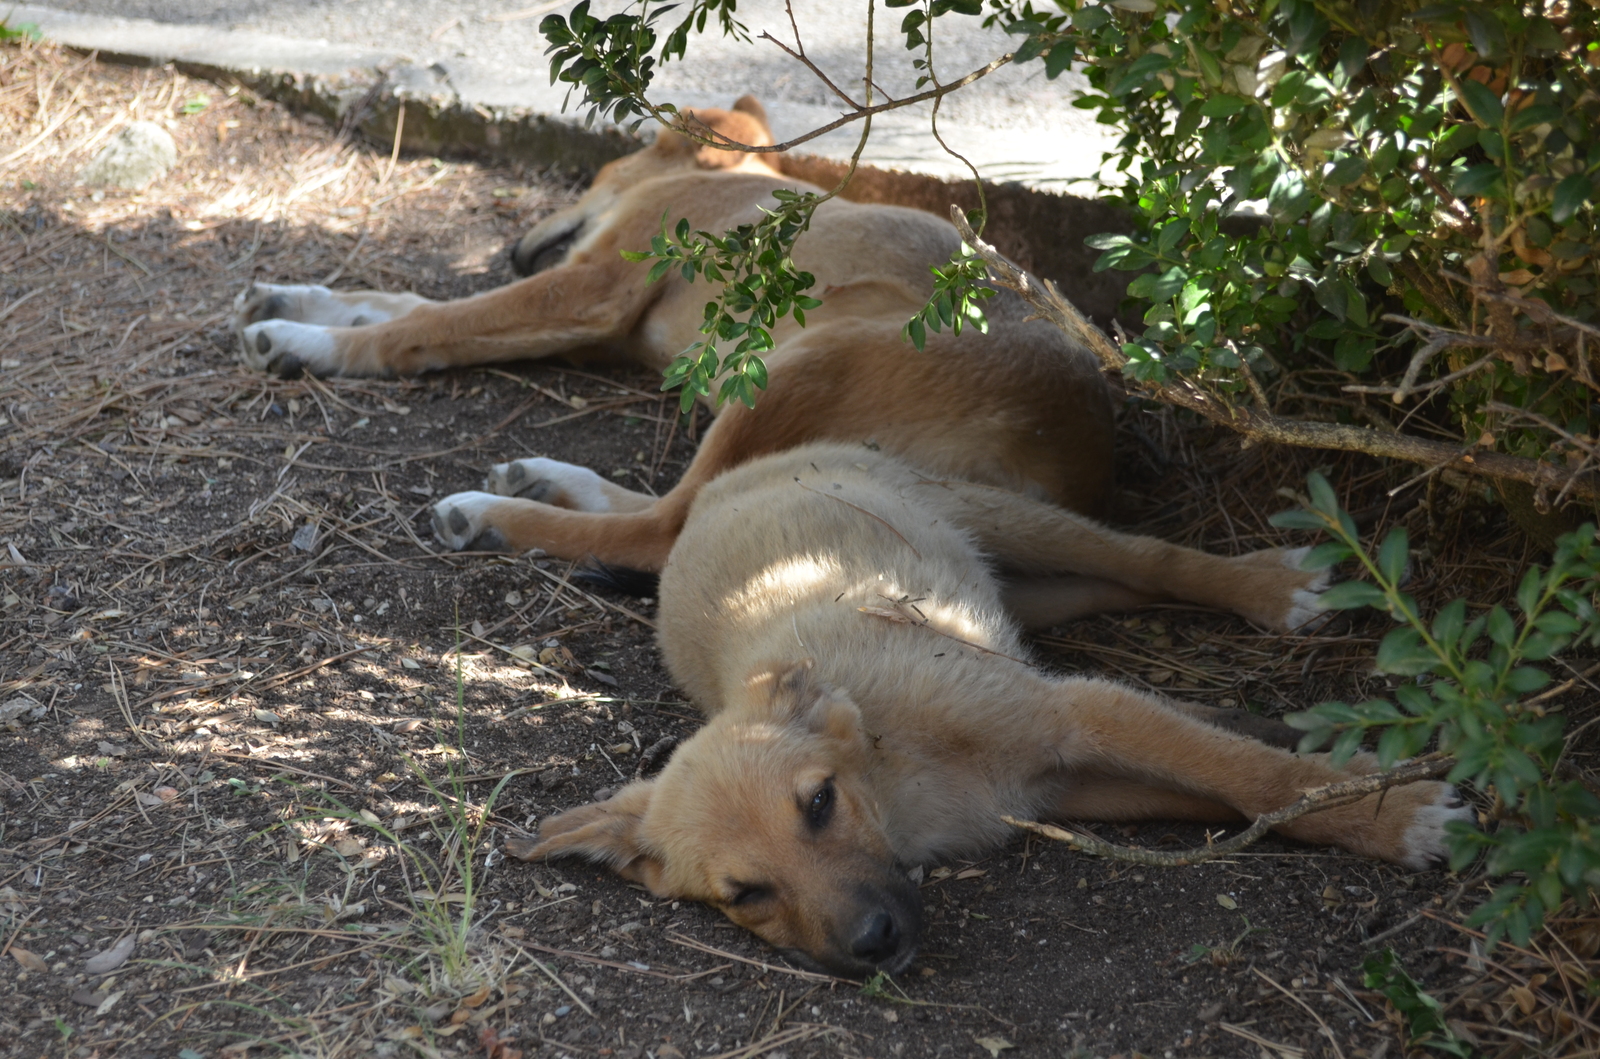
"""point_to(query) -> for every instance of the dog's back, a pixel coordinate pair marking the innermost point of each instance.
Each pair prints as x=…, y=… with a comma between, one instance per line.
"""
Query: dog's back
x=779, y=557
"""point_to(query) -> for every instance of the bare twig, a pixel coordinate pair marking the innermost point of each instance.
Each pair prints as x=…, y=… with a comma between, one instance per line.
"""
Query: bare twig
x=1330, y=796
x=709, y=137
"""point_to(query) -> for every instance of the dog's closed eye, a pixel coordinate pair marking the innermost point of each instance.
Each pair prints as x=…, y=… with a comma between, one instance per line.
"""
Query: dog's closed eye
x=748, y=895
x=820, y=809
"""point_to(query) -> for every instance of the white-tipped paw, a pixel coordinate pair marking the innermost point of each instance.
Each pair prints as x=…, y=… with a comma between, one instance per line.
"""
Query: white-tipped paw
x=461, y=522
x=288, y=348
x=308, y=304
x=1422, y=846
x=1305, y=607
x=1270, y=589
x=550, y=482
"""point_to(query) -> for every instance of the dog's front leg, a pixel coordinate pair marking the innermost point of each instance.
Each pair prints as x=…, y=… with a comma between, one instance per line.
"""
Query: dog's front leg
x=557, y=311
x=1124, y=735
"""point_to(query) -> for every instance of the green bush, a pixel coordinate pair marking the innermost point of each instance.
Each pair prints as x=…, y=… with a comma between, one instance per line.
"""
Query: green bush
x=1470, y=688
x=1431, y=161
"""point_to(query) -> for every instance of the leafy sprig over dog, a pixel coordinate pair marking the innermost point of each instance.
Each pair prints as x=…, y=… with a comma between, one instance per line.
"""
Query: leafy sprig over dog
x=1429, y=172
x=1475, y=691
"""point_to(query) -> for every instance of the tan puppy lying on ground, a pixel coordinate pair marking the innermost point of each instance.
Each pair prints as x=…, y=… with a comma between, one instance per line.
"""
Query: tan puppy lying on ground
x=836, y=614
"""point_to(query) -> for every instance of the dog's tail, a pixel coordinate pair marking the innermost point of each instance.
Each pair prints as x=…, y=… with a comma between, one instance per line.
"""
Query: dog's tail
x=618, y=579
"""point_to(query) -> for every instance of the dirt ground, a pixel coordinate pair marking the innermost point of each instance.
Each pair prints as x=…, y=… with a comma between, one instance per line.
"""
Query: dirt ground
x=267, y=739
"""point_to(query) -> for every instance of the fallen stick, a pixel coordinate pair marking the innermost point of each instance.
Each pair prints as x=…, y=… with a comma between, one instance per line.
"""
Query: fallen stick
x=1315, y=800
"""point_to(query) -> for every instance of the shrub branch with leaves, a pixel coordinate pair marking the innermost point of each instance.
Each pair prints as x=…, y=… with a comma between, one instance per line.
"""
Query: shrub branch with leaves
x=1471, y=686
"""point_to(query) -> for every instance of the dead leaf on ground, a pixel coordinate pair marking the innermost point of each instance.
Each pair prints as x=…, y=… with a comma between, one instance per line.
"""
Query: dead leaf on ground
x=29, y=961
x=112, y=958
x=993, y=1045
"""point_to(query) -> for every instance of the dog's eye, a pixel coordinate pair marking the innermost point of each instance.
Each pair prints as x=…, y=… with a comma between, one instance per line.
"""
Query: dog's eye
x=749, y=895
x=821, y=806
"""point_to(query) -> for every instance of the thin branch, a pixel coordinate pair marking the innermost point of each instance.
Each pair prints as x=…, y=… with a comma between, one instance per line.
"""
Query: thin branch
x=798, y=53
x=1263, y=426
x=710, y=137
x=933, y=124
x=1439, y=340
x=1330, y=796
x=1538, y=310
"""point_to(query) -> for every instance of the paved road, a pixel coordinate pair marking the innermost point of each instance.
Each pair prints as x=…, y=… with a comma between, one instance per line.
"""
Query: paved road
x=1014, y=123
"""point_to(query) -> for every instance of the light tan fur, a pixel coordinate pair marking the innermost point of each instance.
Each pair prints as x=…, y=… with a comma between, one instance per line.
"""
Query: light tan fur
x=836, y=615
x=957, y=485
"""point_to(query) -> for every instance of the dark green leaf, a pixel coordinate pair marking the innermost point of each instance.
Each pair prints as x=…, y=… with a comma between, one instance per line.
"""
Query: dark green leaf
x=1570, y=195
x=1482, y=102
x=1348, y=595
x=1477, y=179
x=1403, y=653
x=1501, y=629
x=1325, y=555
x=1394, y=555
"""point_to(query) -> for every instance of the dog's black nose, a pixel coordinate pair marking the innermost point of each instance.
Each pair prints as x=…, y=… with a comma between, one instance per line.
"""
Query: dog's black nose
x=877, y=939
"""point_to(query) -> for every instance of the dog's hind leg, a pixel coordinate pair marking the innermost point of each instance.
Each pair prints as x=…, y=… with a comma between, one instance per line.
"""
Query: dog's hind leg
x=1116, y=798
x=1109, y=731
x=1035, y=543
x=1046, y=601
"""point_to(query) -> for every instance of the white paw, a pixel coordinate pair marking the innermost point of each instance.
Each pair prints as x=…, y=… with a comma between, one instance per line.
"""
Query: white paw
x=1423, y=844
x=1305, y=605
x=461, y=522
x=287, y=347
x=550, y=482
x=305, y=304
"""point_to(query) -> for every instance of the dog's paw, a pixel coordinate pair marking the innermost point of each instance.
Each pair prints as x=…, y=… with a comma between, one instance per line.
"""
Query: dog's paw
x=288, y=348
x=550, y=482
x=271, y=301
x=1274, y=591
x=461, y=523
x=1432, y=806
x=307, y=304
x=1305, y=608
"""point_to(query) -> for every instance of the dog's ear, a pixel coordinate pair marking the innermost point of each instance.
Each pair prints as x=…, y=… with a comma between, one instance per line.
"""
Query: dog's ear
x=606, y=832
x=746, y=124
x=750, y=105
x=797, y=696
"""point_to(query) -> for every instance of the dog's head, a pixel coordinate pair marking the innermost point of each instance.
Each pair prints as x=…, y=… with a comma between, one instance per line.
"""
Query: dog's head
x=766, y=814
x=674, y=151
x=746, y=123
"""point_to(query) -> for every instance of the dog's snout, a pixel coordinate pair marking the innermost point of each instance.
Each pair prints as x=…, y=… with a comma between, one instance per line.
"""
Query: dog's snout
x=877, y=938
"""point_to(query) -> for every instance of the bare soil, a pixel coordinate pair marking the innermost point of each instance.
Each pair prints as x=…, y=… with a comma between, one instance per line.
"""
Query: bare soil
x=256, y=703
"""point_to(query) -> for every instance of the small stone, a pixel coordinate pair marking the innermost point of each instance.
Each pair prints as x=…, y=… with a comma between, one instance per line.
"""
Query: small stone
x=138, y=155
x=305, y=538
